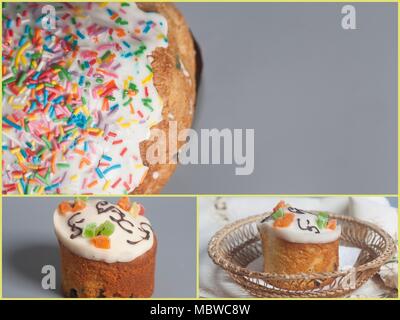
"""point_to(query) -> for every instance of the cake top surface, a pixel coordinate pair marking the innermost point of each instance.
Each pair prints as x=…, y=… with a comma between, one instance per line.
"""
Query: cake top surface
x=102, y=231
x=300, y=226
x=78, y=96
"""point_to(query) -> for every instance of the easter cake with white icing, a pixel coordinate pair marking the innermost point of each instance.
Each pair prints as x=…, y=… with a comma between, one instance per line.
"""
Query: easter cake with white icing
x=299, y=241
x=107, y=250
x=86, y=87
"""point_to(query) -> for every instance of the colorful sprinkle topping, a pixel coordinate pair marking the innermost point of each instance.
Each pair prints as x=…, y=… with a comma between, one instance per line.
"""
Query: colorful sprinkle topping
x=78, y=98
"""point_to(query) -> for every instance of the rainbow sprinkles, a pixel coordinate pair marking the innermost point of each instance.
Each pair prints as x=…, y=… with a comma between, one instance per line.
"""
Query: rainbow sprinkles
x=79, y=98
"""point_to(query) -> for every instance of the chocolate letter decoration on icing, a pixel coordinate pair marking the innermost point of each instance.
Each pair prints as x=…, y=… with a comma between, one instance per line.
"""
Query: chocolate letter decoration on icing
x=265, y=219
x=146, y=232
x=74, y=228
x=308, y=227
x=100, y=209
x=298, y=211
x=104, y=206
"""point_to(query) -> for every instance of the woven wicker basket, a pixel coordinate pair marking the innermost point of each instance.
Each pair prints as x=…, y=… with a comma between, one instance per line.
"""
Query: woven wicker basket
x=238, y=244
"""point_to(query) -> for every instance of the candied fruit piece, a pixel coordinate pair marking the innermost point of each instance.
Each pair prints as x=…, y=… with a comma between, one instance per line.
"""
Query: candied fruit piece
x=284, y=221
x=101, y=242
x=78, y=205
x=281, y=204
x=322, y=220
x=105, y=229
x=124, y=203
x=332, y=224
x=90, y=230
x=64, y=207
x=278, y=214
x=141, y=210
x=134, y=210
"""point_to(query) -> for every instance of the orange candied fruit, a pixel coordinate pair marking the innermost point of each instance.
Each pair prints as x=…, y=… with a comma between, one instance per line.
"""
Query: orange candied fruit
x=141, y=210
x=64, y=207
x=332, y=224
x=78, y=205
x=284, y=221
x=124, y=203
x=101, y=242
x=281, y=204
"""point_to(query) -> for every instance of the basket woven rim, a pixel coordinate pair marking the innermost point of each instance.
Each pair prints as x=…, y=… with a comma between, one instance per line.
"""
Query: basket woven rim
x=219, y=259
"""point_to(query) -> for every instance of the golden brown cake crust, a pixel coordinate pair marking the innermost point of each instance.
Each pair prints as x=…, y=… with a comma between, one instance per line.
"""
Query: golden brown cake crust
x=285, y=257
x=177, y=90
x=84, y=278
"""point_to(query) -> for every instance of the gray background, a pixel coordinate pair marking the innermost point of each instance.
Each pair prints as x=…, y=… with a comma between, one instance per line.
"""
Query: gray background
x=322, y=100
x=29, y=243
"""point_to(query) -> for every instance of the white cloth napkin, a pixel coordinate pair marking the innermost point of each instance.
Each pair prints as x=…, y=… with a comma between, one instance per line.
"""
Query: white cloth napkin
x=216, y=212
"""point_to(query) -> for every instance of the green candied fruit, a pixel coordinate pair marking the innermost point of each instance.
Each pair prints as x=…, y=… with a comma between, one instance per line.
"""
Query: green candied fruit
x=278, y=214
x=90, y=230
x=105, y=229
x=322, y=220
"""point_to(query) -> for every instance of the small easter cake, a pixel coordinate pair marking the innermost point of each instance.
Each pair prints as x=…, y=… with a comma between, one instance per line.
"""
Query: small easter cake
x=107, y=250
x=298, y=241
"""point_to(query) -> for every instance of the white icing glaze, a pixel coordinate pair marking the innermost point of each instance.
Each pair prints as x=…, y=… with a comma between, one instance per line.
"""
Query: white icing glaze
x=130, y=122
x=293, y=233
x=120, y=250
